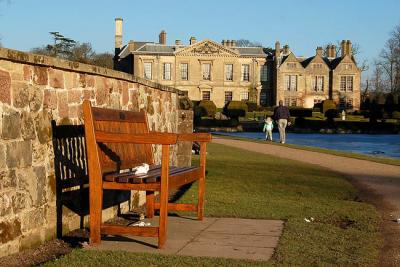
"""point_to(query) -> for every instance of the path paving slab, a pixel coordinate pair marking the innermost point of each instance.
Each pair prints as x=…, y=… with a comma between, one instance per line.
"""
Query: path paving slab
x=212, y=237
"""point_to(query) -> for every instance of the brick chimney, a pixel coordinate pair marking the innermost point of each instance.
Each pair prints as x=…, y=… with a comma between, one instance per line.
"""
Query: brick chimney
x=333, y=51
x=178, y=42
x=118, y=34
x=162, y=37
x=277, y=49
x=192, y=40
x=233, y=43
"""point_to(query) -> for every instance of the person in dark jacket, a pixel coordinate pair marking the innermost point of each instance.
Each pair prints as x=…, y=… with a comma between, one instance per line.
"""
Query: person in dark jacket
x=282, y=115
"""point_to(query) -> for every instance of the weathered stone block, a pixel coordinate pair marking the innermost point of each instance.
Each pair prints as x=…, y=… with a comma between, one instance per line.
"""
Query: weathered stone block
x=33, y=219
x=19, y=201
x=19, y=154
x=50, y=99
x=43, y=126
x=40, y=172
x=5, y=87
x=11, y=128
x=62, y=104
x=2, y=156
x=28, y=126
x=8, y=179
x=27, y=73
x=88, y=94
x=20, y=94
x=74, y=96
x=31, y=240
x=9, y=230
x=35, y=97
x=75, y=111
x=71, y=80
x=125, y=93
x=114, y=101
x=90, y=81
x=40, y=75
x=101, y=95
x=5, y=204
x=82, y=80
x=56, y=78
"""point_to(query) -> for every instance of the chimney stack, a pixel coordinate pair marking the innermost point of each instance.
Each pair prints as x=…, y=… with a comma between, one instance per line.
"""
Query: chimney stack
x=286, y=50
x=223, y=42
x=343, y=46
x=319, y=51
x=178, y=42
x=277, y=49
x=233, y=43
x=349, y=49
x=192, y=40
x=118, y=34
x=333, y=51
x=162, y=37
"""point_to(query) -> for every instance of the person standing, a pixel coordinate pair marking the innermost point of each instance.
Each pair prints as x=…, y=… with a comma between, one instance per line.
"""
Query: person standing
x=282, y=115
x=268, y=126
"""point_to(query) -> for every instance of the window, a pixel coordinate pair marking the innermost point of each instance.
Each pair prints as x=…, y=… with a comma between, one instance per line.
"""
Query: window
x=205, y=95
x=228, y=96
x=346, y=83
x=229, y=72
x=291, y=65
x=349, y=83
x=287, y=101
x=291, y=82
x=264, y=73
x=318, y=83
x=246, y=72
x=206, y=71
x=348, y=66
x=317, y=66
x=244, y=96
x=167, y=71
x=184, y=71
x=147, y=70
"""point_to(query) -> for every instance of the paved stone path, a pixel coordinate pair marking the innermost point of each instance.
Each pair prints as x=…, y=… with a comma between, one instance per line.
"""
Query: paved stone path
x=212, y=237
x=384, y=179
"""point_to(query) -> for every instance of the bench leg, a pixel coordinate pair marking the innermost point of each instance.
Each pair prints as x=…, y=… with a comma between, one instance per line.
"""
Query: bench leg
x=162, y=229
x=95, y=206
x=202, y=182
x=149, y=204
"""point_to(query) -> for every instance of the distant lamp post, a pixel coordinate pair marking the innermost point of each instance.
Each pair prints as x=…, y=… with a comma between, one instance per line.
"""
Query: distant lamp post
x=343, y=115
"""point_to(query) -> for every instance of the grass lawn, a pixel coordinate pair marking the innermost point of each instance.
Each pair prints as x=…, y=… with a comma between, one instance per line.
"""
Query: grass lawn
x=250, y=185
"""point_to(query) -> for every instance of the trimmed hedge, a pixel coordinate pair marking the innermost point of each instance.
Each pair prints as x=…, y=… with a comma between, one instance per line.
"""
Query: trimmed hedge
x=251, y=106
x=300, y=112
x=208, y=108
x=235, y=109
x=327, y=105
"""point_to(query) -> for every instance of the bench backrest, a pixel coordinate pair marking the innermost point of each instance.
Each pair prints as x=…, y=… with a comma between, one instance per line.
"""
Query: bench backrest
x=118, y=156
x=70, y=165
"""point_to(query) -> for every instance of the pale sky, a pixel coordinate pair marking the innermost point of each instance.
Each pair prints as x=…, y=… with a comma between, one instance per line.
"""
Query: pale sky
x=303, y=24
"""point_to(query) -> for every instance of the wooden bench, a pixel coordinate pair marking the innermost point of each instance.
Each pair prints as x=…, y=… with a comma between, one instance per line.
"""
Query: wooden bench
x=118, y=140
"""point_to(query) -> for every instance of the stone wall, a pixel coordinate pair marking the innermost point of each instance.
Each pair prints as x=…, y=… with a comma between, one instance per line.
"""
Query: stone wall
x=34, y=90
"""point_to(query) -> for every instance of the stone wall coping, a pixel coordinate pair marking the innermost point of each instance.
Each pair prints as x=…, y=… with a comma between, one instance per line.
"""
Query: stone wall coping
x=62, y=64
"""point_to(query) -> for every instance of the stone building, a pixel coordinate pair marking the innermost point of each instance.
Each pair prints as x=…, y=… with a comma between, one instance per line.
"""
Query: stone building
x=205, y=70
x=304, y=82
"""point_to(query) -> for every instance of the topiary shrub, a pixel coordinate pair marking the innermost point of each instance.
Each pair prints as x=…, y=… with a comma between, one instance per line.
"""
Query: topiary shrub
x=209, y=107
x=235, y=109
x=251, y=106
x=185, y=103
x=300, y=112
x=327, y=105
x=396, y=115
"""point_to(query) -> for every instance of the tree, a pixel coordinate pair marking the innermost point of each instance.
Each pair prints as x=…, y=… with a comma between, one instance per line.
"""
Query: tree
x=247, y=43
x=67, y=48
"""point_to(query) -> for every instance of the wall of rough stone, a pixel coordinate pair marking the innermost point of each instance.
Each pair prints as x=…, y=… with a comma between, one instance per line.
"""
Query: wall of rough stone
x=35, y=90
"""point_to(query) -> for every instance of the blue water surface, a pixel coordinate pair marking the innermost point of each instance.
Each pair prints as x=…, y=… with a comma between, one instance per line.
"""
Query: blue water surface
x=387, y=145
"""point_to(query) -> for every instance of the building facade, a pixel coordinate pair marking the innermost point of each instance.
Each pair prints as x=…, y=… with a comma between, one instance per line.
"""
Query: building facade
x=205, y=70
x=221, y=72
x=304, y=82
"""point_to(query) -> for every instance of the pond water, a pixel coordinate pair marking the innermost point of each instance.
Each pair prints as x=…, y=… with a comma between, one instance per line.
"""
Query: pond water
x=387, y=145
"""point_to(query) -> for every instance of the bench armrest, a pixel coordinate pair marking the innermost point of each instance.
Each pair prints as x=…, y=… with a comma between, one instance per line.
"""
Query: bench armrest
x=145, y=138
x=198, y=137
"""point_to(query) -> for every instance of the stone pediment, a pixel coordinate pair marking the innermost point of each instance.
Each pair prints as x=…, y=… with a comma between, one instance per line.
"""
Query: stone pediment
x=207, y=48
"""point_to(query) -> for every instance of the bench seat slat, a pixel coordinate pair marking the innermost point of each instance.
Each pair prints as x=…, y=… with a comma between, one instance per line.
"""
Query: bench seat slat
x=152, y=176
